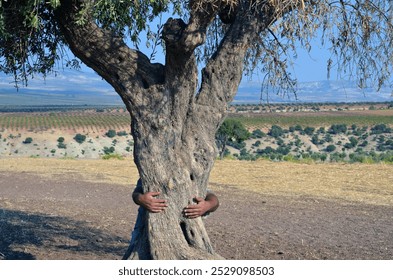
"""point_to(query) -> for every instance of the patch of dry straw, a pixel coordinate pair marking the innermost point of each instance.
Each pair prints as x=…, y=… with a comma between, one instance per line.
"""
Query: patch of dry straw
x=360, y=183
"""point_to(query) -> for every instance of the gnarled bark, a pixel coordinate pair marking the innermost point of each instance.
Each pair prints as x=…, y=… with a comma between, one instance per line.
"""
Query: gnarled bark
x=173, y=123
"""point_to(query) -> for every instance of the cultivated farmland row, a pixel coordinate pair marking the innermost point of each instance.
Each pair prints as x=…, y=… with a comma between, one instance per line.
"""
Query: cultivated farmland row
x=91, y=120
x=68, y=120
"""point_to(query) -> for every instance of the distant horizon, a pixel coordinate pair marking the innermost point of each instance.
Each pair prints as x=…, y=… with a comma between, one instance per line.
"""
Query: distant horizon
x=72, y=87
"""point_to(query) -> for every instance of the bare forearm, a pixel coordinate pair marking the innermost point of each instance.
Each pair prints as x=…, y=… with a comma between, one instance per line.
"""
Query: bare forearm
x=212, y=201
x=135, y=198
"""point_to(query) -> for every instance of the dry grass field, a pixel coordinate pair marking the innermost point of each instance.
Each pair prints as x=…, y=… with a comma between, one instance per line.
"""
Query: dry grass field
x=363, y=183
x=81, y=209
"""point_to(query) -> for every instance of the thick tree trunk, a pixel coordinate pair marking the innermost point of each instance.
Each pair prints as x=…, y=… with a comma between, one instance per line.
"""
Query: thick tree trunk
x=173, y=122
x=174, y=152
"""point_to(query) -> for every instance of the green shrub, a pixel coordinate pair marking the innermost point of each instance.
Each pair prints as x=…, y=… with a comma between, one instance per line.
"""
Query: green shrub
x=280, y=142
x=363, y=144
x=283, y=150
x=298, y=142
x=337, y=157
x=266, y=152
x=276, y=131
x=80, y=138
x=338, y=128
x=317, y=156
x=28, y=140
x=122, y=133
x=111, y=133
x=328, y=138
x=258, y=134
x=321, y=130
x=227, y=153
x=60, y=139
x=112, y=156
x=348, y=146
x=61, y=145
x=380, y=128
x=298, y=127
x=330, y=148
x=236, y=145
x=309, y=130
x=323, y=157
x=315, y=139
x=108, y=151
x=257, y=143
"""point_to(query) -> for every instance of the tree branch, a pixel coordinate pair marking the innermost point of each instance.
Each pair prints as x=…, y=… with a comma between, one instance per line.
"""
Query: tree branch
x=105, y=53
x=222, y=74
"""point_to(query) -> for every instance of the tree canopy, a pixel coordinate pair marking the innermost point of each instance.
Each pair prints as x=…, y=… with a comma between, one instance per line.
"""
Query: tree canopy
x=230, y=130
x=358, y=33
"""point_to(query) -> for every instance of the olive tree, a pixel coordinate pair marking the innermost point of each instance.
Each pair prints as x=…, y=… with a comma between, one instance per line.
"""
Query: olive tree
x=174, y=117
x=230, y=130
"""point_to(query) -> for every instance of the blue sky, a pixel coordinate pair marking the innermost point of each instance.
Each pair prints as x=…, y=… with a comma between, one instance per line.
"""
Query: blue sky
x=86, y=87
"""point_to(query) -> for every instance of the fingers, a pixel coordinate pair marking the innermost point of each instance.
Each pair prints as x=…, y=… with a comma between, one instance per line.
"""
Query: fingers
x=193, y=211
x=153, y=193
x=152, y=204
x=192, y=215
x=193, y=206
x=156, y=208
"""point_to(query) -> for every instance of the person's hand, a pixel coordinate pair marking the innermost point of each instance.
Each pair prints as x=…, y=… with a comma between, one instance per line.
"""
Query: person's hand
x=151, y=203
x=193, y=211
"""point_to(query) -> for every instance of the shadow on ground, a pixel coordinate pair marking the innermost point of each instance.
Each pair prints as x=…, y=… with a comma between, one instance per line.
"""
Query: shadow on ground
x=26, y=236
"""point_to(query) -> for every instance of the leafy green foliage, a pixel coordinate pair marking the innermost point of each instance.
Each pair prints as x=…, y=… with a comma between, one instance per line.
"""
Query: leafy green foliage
x=338, y=128
x=257, y=133
x=61, y=145
x=380, y=128
x=108, y=151
x=80, y=138
x=276, y=131
x=30, y=40
x=110, y=133
x=309, y=130
x=112, y=156
x=231, y=131
x=28, y=140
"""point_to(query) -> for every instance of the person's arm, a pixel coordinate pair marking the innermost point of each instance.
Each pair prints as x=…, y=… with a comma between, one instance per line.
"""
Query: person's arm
x=148, y=200
x=202, y=206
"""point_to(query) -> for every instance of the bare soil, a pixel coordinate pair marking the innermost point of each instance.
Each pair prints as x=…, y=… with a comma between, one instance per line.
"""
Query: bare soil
x=67, y=217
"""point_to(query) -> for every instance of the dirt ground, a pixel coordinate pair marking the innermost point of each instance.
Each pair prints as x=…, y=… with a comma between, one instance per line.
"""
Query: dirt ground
x=67, y=217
